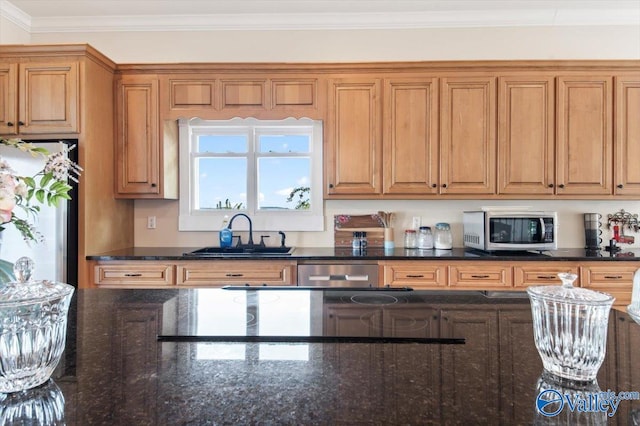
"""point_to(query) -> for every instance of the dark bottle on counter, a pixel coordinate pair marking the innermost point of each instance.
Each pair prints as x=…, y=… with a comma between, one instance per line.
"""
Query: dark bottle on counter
x=356, y=242
x=363, y=241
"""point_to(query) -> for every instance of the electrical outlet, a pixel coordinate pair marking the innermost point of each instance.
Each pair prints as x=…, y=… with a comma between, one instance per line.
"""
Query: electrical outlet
x=417, y=221
x=151, y=222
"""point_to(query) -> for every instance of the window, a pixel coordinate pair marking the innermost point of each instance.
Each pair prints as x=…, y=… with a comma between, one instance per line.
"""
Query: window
x=270, y=170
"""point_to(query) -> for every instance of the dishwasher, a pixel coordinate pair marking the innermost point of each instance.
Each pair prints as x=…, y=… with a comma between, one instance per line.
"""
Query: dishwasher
x=364, y=275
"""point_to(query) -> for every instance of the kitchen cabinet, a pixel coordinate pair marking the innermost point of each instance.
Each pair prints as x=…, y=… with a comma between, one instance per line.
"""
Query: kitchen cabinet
x=614, y=279
x=481, y=276
x=627, y=136
x=134, y=274
x=627, y=359
x=584, y=135
x=526, y=141
x=542, y=273
x=146, y=154
x=414, y=274
x=354, y=131
x=467, y=135
x=39, y=98
x=221, y=273
x=410, y=136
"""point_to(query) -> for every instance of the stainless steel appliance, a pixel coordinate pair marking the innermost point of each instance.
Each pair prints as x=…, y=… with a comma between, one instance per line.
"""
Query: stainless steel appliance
x=338, y=275
x=502, y=230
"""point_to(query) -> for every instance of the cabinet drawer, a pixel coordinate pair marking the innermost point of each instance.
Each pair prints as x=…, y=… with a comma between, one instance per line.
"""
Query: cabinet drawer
x=223, y=273
x=616, y=280
x=480, y=276
x=139, y=274
x=415, y=275
x=528, y=275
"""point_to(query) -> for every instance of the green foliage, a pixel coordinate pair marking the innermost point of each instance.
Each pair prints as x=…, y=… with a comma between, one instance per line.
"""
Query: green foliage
x=302, y=194
x=228, y=206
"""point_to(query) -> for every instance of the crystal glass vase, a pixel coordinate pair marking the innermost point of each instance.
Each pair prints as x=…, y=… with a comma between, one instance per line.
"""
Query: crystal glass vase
x=570, y=328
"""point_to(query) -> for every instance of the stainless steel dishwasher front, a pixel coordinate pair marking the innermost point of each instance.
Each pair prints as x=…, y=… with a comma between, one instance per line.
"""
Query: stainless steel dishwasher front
x=338, y=275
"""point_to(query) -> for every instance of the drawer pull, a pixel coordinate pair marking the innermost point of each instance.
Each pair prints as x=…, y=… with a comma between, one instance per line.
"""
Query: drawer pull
x=479, y=276
x=546, y=277
x=613, y=277
x=415, y=276
x=132, y=275
x=233, y=275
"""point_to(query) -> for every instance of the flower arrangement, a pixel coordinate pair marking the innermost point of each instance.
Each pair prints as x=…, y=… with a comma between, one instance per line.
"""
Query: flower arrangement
x=25, y=194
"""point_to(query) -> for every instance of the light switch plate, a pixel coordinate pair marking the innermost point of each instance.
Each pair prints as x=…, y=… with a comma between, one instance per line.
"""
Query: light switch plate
x=417, y=221
x=151, y=222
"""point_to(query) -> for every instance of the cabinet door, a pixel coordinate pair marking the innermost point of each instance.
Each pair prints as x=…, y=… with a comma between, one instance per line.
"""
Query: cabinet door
x=614, y=279
x=467, y=144
x=138, y=144
x=134, y=274
x=354, y=151
x=8, y=99
x=221, y=273
x=542, y=273
x=628, y=359
x=476, y=393
x=410, y=143
x=627, y=149
x=526, y=148
x=480, y=276
x=584, y=135
x=418, y=275
x=48, y=98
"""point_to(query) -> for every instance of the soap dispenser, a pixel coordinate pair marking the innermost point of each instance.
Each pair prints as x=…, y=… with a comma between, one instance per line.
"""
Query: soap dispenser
x=226, y=234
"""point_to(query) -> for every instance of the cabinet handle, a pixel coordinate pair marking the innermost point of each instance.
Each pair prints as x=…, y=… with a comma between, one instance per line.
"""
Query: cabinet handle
x=132, y=275
x=9, y=124
x=613, y=277
x=550, y=185
x=234, y=275
x=479, y=276
x=415, y=276
x=621, y=186
x=546, y=277
x=561, y=185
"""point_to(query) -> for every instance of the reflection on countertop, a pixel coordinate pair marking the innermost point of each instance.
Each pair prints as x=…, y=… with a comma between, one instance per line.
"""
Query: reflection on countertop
x=121, y=374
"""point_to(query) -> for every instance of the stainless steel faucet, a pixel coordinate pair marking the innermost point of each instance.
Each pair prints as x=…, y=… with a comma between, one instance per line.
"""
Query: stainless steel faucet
x=250, y=243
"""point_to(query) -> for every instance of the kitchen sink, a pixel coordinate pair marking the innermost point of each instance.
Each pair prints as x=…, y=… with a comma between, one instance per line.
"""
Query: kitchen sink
x=241, y=251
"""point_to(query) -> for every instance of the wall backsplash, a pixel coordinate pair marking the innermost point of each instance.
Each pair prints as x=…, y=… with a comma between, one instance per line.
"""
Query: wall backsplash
x=571, y=227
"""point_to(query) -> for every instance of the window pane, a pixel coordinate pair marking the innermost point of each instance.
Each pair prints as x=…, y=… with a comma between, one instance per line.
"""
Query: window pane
x=221, y=144
x=278, y=176
x=284, y=143
x=222, y=183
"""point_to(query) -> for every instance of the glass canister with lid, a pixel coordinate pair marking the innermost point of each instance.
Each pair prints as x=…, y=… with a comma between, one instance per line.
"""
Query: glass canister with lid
x=425, y=238
x=443, y=240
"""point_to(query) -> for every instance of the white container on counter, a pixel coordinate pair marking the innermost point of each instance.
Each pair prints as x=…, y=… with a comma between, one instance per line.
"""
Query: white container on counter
x=443, y=240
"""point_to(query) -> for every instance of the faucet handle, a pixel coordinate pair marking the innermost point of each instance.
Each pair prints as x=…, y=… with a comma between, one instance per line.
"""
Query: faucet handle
x=239, y=243
x=262, y=237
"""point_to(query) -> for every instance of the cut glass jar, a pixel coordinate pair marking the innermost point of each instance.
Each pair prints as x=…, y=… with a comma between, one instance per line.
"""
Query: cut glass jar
x=570, y=328
x=33, y=328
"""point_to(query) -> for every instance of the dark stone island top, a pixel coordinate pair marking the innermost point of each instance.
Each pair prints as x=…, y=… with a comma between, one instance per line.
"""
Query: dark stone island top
x=314, y=357
x=374, y=254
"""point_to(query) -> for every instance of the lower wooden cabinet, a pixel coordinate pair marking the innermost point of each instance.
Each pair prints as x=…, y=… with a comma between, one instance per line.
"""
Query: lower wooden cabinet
x=542, y=273
x=481, y=276
x=221, y=273
x=134, y=274
x=417, y=275
x=615, y=279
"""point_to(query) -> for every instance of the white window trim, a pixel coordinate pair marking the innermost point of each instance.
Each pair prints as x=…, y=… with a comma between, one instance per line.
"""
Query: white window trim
x=265, y=220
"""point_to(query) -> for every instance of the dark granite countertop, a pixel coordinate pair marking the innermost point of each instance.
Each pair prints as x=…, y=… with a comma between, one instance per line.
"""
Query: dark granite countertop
x=375, y=254
x=319, y=357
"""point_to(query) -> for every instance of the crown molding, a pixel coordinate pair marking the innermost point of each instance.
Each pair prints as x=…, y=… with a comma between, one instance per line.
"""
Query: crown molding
x=324, y=21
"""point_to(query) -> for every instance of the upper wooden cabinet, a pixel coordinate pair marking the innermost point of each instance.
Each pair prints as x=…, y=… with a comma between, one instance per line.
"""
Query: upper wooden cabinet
x=410, y=136
x=146, y=155
x=627, y=136
x=39, y=98
x=467, y=135
x=354, y=150
x=526, y=142
x=584, y=131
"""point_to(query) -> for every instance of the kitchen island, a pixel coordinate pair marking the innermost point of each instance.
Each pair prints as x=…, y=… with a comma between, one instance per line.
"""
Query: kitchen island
x=272, y=356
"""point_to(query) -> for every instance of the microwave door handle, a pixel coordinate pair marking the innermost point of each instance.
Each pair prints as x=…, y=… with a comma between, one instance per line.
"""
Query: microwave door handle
x=542, y=230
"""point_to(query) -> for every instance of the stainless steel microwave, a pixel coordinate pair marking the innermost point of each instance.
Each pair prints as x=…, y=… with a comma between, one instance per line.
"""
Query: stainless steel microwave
x=502, y=230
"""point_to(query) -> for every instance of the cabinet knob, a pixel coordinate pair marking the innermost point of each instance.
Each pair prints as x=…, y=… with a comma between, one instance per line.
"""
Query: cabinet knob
x=433, y=185
x=550, y=185
x=20, y=123
x=561, y=185
x=153, y=185
x=621, y=186
x=9, y=124
x=444, y=185
x=330, y=185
